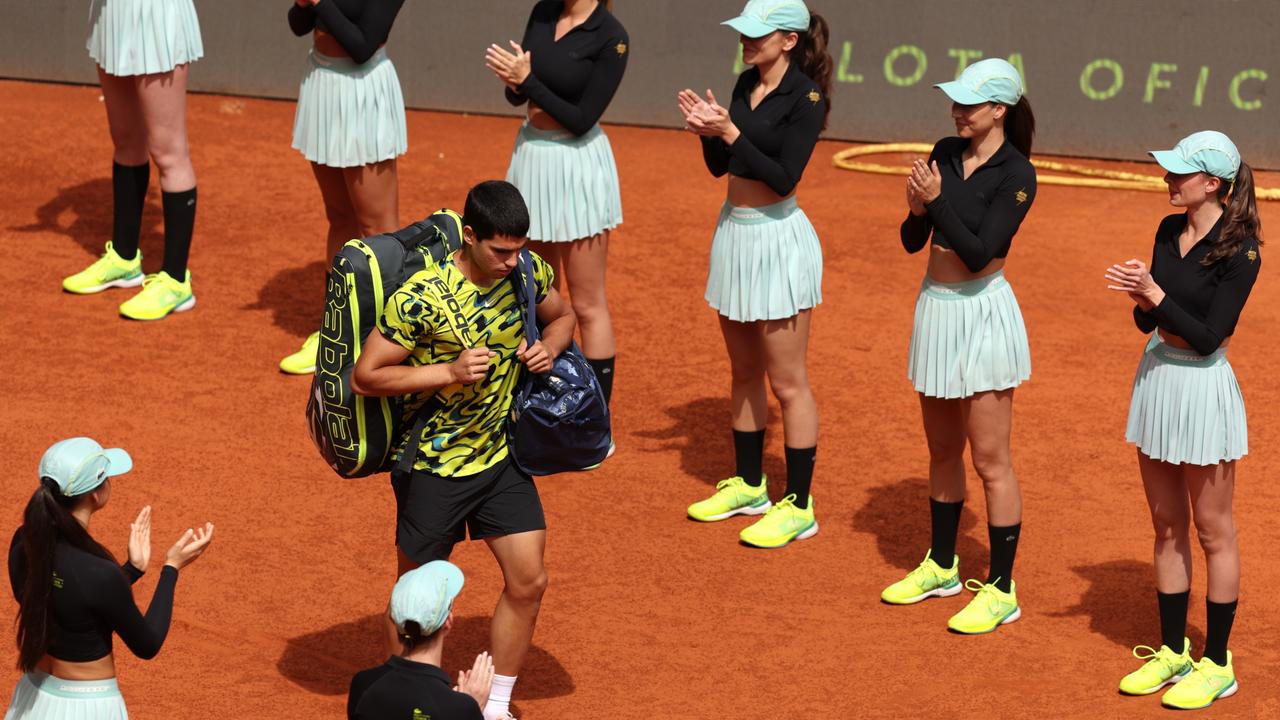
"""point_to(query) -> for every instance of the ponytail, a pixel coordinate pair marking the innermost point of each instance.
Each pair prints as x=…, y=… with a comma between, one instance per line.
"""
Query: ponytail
x=1020, y=126
x=1240, y=213
x=815, y=59
x=46, y=520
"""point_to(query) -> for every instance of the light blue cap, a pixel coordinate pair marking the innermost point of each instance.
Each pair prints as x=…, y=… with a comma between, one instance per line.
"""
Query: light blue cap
x=79, y=464
x=1206, y=151
x=761, y=17
x=991, y=80
x=425, y=595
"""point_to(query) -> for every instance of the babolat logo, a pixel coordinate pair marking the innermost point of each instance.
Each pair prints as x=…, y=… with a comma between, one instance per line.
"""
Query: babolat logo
x=340, y=345
x=453, y=308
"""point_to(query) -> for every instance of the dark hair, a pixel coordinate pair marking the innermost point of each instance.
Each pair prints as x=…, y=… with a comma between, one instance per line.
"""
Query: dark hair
x=815, y=60
x=1020, y=126
x=1240, y=212
x=412, y=636
x=608, y=4
x=495, y=207
x=46, y=520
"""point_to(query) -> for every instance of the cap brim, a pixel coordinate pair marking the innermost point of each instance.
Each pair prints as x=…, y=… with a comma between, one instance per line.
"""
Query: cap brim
x=961, y=94
x=452, y=576
x=1171, y=161
x=118, y=461
x=750, y=27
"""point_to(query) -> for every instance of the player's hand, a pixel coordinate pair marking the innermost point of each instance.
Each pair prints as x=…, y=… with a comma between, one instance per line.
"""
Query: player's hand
x=190, y=546
x=926, y=180
x=1133, y=278
x=511, y=68
x=140, y=540
x=472, y=365
x=692, y=108
x=914, y=201
x=537, y=358
x=478, y=681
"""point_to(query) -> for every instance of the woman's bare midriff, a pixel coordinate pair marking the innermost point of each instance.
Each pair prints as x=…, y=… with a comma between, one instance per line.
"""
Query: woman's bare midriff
x=947, y=267
x=103, y=668
x=752, y=193
x=1175, y=341
x=541, y=119
x=326, y=44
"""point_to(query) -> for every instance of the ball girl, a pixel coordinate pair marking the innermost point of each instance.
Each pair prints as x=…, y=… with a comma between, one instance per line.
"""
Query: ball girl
x=567, y=68
x=72, y=594
x=143, y=49
x=765, y=276
x=969, y=345
x=350, y=125
x=1187, y=414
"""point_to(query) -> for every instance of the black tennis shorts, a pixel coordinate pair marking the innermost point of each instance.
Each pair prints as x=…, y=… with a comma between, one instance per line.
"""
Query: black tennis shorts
x=434, y=513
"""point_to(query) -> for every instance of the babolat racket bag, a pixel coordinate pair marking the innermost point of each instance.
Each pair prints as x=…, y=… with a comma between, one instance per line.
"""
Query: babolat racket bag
x=559, y=420
x=355, y=434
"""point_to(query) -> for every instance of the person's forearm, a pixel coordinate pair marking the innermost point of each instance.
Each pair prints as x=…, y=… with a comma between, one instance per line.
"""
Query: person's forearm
x=401, y=379
x=557, y=335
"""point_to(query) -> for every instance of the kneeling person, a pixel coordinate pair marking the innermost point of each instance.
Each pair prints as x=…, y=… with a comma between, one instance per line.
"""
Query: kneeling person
x=458, y=324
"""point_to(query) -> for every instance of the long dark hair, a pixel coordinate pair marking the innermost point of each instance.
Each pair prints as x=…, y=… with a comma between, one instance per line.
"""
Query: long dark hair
x=814, y=58
x=46, y=520
x=1020, y=126
x=1240, y=212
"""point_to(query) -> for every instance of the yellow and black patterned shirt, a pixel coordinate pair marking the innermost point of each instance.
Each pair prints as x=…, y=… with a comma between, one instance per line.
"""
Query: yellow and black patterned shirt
x=467, y=434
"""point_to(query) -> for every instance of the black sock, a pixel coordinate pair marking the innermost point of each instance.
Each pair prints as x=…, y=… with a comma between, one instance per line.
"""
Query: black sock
x=800, y=473
x=1220, y=616
x=129, y=195
x=603, y=368
x=179, y=222
x=748, y=453
x=1004, y=546
x=945, y=517
x=1173, y=619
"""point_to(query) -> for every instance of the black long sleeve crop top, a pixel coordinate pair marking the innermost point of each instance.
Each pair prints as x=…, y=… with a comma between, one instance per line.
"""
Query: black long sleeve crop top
x=359, y=26
x=1201, y=304
x=91, y=599
x=977, y=217
x=573, y=79
x=775, y=139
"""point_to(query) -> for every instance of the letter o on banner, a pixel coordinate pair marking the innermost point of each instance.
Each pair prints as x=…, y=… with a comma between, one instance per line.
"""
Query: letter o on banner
x=1086, y=79
x=922, y=64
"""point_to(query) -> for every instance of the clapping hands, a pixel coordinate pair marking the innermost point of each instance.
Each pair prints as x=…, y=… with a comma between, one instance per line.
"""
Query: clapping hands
x=512, y=68
x=705, y=117
x=477, y=681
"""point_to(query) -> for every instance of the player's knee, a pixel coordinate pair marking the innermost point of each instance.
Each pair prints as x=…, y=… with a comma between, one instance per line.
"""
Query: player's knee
x=1216, y=534
x=589, y=307
x=992, y=467
x=527, y=590
x=790, y=390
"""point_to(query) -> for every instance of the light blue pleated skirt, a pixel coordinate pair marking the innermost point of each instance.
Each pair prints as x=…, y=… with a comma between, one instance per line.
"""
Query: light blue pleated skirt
x=968, y=338
x=45, y=697
x=143, y=37
x=766, y=263
x=569, y=183
x=1187, y=408
x=350, y=114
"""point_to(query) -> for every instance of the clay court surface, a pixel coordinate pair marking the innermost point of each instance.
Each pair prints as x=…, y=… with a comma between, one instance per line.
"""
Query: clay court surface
x=648, y=615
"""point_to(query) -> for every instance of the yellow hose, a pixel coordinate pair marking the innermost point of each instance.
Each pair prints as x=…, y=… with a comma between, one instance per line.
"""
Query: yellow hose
x=1093, y=177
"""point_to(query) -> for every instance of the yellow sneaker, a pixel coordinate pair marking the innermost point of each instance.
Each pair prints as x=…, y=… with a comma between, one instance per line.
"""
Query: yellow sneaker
x=1162, y=667
x=160, y=296
x=302, y=362
x=988, y=610
x=783, y=523
x=926, y=581
x=108, y=271
x=733, y=497
x=1208, y=681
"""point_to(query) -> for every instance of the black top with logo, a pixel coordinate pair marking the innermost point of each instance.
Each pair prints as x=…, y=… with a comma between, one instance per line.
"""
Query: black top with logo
x=977, y=217
x=401, y=689
x=1201, y=304
x=776, y=138
x=574, y=78
x=359, y=26
x=91, y=599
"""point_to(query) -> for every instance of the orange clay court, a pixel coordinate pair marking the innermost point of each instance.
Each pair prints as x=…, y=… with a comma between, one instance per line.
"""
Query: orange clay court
x=648, y=614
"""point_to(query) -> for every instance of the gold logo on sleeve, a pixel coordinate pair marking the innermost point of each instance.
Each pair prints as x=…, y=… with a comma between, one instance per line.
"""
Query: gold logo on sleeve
x=622, y=48
x=814, y=97
x=1252, y=255
x=1021, y=197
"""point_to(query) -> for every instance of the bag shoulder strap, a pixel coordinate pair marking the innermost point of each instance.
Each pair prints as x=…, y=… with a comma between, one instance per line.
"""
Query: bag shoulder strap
x=526, y=289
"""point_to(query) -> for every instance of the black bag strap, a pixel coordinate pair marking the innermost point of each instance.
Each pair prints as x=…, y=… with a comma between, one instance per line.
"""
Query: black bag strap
x=453, y=315
x=526, y=296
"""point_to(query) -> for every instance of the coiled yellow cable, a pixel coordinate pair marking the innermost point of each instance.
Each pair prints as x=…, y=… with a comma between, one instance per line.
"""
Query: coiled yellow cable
x=1092, y=177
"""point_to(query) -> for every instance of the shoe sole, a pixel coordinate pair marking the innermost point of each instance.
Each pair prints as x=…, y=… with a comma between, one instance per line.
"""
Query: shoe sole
x=804, y=535
x=307, y=371
x=1231, y=690
x=936, y=592
x=1017, y=613
x=125, y=283
x=183, y=306
x=612, y=449
x=749, y=510
x=1152, y=690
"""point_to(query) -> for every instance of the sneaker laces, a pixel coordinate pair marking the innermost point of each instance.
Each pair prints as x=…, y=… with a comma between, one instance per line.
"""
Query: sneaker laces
x=788, y=500
x=729, y=483
x=987, y=591
x=1150, y=654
